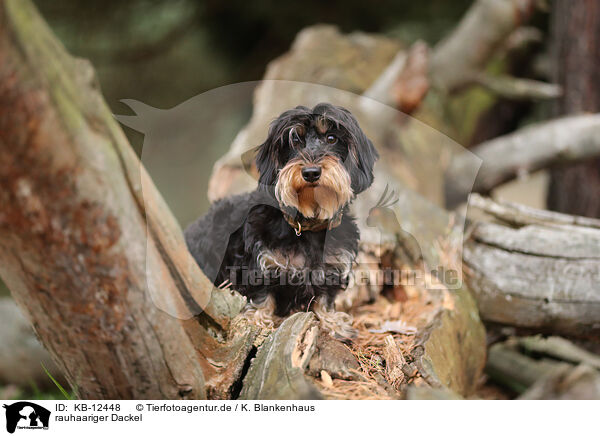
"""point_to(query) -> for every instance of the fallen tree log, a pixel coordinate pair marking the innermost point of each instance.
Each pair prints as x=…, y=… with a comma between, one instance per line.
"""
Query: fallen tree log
x=485, y=27
x=566, y=383
x=535, y=269
x=560, y=349
x=508, y=367
x=539, y=368
x=557, y=142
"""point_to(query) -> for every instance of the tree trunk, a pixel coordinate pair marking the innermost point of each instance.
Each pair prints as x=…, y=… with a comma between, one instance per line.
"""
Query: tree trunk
x=576, y=31
x=80, y=247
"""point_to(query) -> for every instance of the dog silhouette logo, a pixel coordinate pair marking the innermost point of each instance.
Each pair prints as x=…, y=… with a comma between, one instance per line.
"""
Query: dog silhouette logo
x=26, y=415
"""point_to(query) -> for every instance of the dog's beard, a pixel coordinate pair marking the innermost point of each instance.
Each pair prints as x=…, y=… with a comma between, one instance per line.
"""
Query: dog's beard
x=320, y=200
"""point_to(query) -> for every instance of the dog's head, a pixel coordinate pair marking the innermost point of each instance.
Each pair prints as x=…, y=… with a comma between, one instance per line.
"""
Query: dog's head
x=315, y=161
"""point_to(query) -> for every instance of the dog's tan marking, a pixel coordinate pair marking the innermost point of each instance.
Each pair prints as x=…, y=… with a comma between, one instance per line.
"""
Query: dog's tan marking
x=322, y=125
x=319, y=200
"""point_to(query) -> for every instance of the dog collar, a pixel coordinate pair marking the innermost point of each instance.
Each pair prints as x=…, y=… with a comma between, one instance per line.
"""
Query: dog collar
x=312, y=224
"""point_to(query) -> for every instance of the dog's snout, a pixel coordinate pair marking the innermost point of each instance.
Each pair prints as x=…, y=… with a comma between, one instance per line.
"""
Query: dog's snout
x=311, y=174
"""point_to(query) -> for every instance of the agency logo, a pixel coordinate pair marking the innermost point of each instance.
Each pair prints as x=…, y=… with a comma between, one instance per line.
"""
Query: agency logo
x=26, y=415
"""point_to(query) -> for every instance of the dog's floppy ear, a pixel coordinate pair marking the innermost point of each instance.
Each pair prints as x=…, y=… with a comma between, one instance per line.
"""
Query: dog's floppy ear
x=269, y=156
x=363, y=156
x=249, y=162
x=267, y=159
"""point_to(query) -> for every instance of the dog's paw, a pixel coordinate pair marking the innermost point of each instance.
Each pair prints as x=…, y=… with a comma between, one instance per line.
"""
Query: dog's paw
x=262, y=314
x=338, y=324
x=347, y=334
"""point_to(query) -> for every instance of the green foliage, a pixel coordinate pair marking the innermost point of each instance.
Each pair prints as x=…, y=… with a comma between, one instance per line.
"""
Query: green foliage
x=57, y=384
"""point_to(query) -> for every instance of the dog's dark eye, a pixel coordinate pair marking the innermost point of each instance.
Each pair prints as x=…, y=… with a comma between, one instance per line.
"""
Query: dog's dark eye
x=331, y=139
x=296, y=141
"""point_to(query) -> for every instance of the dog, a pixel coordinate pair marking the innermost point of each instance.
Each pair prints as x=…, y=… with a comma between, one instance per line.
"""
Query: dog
x=290, y=245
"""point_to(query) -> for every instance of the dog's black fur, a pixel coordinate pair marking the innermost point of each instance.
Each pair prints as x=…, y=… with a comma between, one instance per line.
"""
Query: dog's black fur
x=232, y=238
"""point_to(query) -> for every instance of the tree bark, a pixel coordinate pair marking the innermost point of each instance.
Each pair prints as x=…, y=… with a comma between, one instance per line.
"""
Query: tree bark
x=277, y=371
x=84, y=236
x=576, y=32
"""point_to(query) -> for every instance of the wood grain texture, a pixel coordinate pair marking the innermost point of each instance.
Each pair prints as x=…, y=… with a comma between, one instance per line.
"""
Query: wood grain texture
x=547, y=144
x=277, y=371
x=543, y=273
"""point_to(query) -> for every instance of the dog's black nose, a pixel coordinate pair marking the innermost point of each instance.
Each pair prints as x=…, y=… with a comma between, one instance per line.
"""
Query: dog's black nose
x=311, y=174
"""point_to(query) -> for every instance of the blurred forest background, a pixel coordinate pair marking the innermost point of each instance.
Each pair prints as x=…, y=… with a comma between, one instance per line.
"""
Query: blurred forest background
x=164, y=52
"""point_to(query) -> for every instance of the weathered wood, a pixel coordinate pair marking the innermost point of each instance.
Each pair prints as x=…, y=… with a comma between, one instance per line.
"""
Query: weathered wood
x=277, y=371
x=333, y=357
x=575, y=66
x=483, y=29
x=88, y=248
x=539, y=368
x=394, y=362
x=450, y=351
x=517, y=89
x=428, y=393
x=527, y=150
x=459, y=59
x=519, y=215
x=566, y=383
x=516, y=371
x=541, y=274
x=559, y=348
